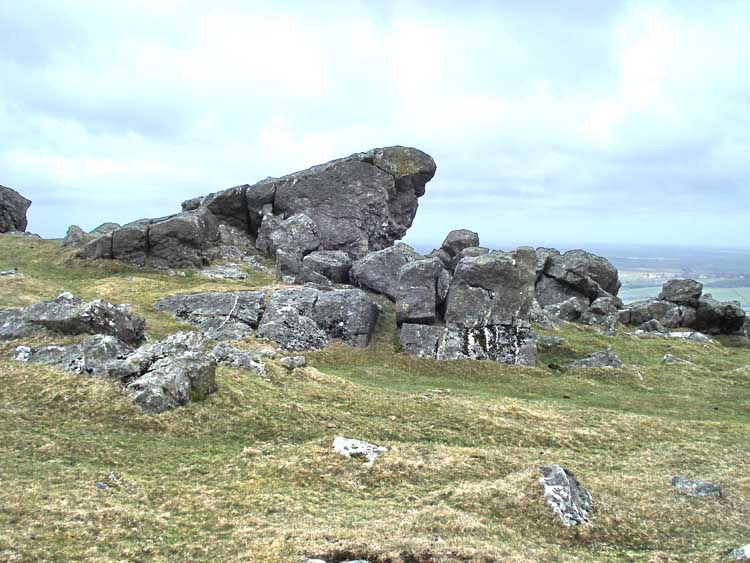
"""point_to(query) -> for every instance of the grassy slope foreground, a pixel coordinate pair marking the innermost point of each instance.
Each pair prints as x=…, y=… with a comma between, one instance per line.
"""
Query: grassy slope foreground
x=249, y=476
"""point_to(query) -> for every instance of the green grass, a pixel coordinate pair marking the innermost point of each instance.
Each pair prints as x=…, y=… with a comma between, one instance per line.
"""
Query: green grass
x=248, y=475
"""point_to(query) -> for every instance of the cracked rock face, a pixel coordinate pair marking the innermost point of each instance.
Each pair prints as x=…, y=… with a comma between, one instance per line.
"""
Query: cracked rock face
x=565, y=495
x=380, y=271
x=357, y=204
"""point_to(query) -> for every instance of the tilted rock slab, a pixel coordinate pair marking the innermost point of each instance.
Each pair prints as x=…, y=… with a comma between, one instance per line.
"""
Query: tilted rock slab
x=357, y=204
x=565, y=495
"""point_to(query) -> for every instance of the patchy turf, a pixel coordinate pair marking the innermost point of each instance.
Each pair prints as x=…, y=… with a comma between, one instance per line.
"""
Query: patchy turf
x=248, y=475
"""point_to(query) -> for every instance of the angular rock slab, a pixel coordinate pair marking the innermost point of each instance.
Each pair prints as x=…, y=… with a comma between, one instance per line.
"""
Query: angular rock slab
x=349, y=447
x=13, y=208
x=220, y=315
x=602, y=359
x=499, y=343
x=236, y=358
x=379, y=271
x=682, y=292
x=70, y=315
x=696, y=488
x=422, y=288
x=565, y=495
x=589, y=274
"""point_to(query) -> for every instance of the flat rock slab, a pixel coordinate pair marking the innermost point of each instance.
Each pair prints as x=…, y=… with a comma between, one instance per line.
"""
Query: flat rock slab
x=349, y=447
x=602, y=359
x=236, y=358
x=696, y=488
x=224, y=272
x=565, y=495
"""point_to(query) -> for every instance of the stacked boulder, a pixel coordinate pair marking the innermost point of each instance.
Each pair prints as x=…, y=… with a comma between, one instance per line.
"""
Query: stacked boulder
x=13, y=208
x=355, y=205
x=480, y=312
x=577, y=286
x=682, y=304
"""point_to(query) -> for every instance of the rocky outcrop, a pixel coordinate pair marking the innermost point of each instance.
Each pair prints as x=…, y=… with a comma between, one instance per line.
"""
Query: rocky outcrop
x=681, y=305
x=74, y=236
x=91, y=358
x=696, y=488
x=70, y=315
x=606, y=358
x=357, y=204
x=486, y=313
x=570, y=501
x=380, y=271
x=236, y=358
x=13, y=208
x=422, y=289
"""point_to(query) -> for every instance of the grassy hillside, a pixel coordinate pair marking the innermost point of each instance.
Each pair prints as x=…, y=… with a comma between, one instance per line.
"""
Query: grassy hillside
x=249, y=476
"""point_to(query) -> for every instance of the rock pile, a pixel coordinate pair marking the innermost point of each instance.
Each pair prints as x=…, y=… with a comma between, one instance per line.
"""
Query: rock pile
x=13, y=208
x=356, y=204
x=682, y=304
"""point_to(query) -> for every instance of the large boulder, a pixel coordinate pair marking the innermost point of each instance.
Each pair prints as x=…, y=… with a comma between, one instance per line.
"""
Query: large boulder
x=220, y=315
x=590, y=275
x=682, y=292
x=492, y=289
x=667, y=313
x=357, y=204
x=379, y=271
x=70, y=315
x=606, y=358
x=458, y=240
x=422, y=289
x=713, y=317
x=550, y=291
x=73, y=237
x=292, y=331
x=13, y=208
x=331, y=264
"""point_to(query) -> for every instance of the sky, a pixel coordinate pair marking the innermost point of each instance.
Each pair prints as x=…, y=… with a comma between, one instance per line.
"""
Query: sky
x=551, y=123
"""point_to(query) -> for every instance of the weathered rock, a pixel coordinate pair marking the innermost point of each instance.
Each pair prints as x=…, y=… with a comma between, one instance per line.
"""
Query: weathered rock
x=345, y=314
x=98, y=249
x=349, y=447
x=417, y=299
x=69, y=315
x=667, y=313
x=293, y=362
x=682, y=292
x=224, y=272
x=181, y=241
x=712, y=316
x=443, y=256
x=569, y=310
x=602, y=359
x=741, y=553
x=13, y=208
x=601, y=311
x=471, y=252
x=499, y=343
x=332, y=264
x=288, y=265
x=549, y=342
x=306, y=276
x=537, y=315
x=219, y=315
x=549, y=291
x=92, y=357
x=492, y=289
x=565, y=495
x=652, y=326
x=458, y=240
x=74, y=236
x=379, y=271
x=174, y=381
x=669, y=359
x=234, y=357
x=104, y=228
x=10, y=273
x=543, y=257
x=696, y=488
x=297, y=236
x=590, y=275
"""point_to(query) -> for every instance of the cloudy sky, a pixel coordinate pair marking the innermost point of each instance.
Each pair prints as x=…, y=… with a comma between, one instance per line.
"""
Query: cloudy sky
x=568, y=123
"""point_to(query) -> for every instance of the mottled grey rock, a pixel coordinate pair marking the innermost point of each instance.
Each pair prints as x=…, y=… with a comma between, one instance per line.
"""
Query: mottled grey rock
x=669, y=359
x=498, y=343
x=417, y=298
x=288, y=265
x=602, y=359
x=549, y=342
x=92, y=357
x=234, y=357
x=379, y=271
x=224, y=272
x=492, y=289
x=332, y=264
x=175, y=381
x=471, y=252
x=537, y=315
x=296, y=235
x=104, y=228
x=569, y=310
x=268, y=224
x=219, y=315
x=10, y=273
x=292, y=331
x=443, y=256
x=98, y=249
x=182, y=241
x=349, y=447
x=565, y=495
x=696, y=488
x=293, y=362
x=652, y=326
x=543, y=257
x=590, y=275
x=741, y=553
x=667, y=313
x=458, y=240
x=74, y=236
x=682, y=292
x=13, y=208
x=69, y=315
